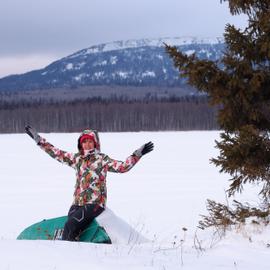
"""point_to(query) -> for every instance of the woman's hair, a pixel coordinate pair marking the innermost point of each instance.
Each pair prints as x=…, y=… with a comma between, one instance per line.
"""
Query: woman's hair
x=79, y=145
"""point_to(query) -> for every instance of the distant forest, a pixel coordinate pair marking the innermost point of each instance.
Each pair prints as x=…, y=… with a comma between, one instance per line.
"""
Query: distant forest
x=113, y=115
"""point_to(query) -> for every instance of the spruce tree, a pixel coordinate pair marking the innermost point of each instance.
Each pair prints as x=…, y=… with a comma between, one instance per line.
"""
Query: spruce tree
x=239, y=85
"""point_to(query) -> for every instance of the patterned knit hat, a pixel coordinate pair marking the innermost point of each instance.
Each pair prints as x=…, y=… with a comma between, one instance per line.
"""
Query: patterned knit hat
x=89, y=134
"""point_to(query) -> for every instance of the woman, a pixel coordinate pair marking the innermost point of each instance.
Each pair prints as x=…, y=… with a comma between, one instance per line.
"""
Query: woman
x=91, y=166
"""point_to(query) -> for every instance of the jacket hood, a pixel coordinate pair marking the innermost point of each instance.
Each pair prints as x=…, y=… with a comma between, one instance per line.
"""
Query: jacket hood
x=92, y=133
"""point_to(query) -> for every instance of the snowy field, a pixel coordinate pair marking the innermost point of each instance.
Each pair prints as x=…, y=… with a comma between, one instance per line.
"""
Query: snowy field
x=163, y=194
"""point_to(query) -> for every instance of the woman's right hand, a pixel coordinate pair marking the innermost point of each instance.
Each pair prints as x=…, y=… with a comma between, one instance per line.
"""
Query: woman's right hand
x=32, y=133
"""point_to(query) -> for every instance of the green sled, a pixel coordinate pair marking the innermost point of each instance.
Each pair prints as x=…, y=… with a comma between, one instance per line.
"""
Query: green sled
x=52, y=229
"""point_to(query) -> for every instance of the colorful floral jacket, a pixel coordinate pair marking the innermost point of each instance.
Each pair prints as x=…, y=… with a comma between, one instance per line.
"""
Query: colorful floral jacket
x=91, y=170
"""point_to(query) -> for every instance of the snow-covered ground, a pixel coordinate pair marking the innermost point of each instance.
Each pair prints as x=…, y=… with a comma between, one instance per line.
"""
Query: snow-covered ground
x=162, y=197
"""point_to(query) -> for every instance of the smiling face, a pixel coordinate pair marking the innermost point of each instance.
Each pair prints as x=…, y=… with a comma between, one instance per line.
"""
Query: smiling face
x=88, y=144
x=89, y=135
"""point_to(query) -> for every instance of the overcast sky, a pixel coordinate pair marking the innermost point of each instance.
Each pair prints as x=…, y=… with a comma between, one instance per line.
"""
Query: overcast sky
x=36, y=32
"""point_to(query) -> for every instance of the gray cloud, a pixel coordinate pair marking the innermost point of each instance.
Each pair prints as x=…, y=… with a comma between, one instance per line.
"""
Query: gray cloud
x=58, y=25
x=61, y=27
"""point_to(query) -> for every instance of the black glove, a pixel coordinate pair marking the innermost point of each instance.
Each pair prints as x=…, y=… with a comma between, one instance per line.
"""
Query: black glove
x=32, y=133
x=146, y=148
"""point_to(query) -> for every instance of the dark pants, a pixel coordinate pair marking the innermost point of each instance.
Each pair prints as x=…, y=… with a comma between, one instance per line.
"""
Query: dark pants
x=79, y=217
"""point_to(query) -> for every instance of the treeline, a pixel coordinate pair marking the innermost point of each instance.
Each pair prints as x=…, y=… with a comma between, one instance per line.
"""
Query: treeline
x=185, y=113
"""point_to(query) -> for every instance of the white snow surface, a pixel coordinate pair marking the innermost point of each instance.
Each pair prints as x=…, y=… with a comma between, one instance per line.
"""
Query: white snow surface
x=161, y=198
x=69, y=66
x=149, y=73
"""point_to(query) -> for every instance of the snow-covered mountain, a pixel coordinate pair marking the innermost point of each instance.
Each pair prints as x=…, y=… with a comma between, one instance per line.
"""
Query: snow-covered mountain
x=159, y=42
x=133, y=62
